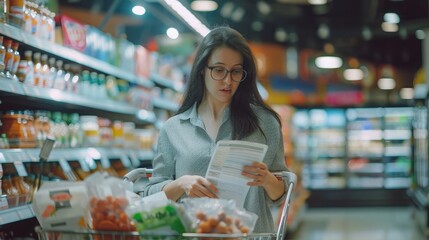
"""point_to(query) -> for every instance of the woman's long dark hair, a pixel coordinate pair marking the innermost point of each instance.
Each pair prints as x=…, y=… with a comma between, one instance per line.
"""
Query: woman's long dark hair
x=244, y=119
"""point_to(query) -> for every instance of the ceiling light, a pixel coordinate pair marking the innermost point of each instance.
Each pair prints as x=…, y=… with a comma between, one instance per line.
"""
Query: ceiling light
x=389, y=27
x=187, y=16
x=238, y=14
x=138, y=10
x=172, y=33
x=204, y=5
x=420, y=34
x=386, y=83
x=391, y=18
x=226, y=10
x=257, y=26
x=323, y=31
x=353, y=74
x=264, y=7
x=317, y=2
x=280, y=35
x=406, y=93
x=329, y=62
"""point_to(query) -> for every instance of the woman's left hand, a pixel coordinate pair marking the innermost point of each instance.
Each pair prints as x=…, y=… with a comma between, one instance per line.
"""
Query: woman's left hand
x=258, y=172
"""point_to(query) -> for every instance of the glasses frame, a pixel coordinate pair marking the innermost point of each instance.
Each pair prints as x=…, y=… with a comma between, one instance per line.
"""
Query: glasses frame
x=227, y=72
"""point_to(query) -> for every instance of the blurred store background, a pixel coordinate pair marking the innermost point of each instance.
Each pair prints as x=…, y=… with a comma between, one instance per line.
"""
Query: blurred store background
x=347, y=77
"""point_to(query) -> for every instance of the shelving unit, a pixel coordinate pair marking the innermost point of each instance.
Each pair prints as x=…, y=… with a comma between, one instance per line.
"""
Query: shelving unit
x=355, y=156
x=24, y=96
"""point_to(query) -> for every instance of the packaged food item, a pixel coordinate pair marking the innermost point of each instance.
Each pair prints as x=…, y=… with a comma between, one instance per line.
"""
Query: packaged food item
x=157, y=215
x=11, y=192
x=24, y=189
x=221, y=216
x=107, y=203
x=61, y=205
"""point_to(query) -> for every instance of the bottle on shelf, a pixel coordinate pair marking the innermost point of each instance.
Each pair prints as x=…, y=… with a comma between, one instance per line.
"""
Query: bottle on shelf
x=3, y=9
x=74, y=79
x=16, y=12
x=52, y=72
x=85, y=83
x=75, y=131
x=102, y=93
x=93, y=79
x=2, y=57
x=8, y=60
x=59, y=130
x=45, y=71
x=59, y=77
x=67, y=77
x=25, y=72
x=15, y=61
x=37, y=70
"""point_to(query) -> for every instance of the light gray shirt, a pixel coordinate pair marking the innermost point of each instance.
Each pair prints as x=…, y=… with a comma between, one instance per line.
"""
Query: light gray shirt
x=185, y=148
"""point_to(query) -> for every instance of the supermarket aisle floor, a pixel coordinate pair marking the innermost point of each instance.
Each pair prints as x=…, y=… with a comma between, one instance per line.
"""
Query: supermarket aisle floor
x=387, y=223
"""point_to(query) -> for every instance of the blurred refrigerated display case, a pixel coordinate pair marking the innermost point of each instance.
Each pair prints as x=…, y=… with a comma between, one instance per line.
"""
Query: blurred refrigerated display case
x=355, y=156
x=419, y=190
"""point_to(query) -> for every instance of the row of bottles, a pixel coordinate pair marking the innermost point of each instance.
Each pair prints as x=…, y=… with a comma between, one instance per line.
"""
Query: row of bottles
x=9, y=58
x=28, y=129
x=31, y=16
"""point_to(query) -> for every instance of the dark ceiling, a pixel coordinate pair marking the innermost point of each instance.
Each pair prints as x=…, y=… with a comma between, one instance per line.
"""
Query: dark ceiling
x=354, y=25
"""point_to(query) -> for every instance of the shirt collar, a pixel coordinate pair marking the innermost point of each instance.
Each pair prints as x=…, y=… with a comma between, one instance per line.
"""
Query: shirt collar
x=192, y=115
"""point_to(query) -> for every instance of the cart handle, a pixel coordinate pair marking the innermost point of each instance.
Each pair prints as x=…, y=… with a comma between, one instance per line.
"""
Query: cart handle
x=136, y=174
x=292, y=179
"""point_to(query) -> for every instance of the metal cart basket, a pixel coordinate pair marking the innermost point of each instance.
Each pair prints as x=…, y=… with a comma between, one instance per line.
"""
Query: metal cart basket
x=134, y=175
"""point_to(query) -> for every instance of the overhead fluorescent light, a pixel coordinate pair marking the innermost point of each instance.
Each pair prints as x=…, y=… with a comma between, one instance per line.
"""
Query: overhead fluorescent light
x=406, y=93
x=389, y=27
x=204, y=5
x=353, y=74
x=187, y=17
x=138, y=10
x=386, y=83
x=329, y=62
x=391, y=17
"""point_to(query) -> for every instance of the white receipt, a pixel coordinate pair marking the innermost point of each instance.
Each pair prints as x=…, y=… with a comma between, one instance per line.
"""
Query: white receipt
x=226, y=166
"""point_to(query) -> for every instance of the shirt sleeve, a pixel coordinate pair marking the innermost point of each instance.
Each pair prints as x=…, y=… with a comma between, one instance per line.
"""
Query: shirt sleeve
x=163, y=166
x=278, y=163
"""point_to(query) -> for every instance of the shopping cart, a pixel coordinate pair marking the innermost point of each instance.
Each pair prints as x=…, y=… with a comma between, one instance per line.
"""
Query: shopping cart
x=142, y=173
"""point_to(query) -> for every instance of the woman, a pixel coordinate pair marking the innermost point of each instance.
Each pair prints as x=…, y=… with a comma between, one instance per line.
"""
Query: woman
x=221, y=103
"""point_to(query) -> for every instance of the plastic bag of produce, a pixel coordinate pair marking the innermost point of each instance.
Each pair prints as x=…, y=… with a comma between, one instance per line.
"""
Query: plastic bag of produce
x=108, y=200
x=157, y=215
x=220, y=216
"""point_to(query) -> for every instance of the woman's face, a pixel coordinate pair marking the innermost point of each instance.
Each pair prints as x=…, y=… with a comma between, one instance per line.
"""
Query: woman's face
x=222, y=58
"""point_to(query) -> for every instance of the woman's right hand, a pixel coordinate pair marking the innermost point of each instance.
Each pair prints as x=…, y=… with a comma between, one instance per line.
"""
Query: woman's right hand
x=197, y=186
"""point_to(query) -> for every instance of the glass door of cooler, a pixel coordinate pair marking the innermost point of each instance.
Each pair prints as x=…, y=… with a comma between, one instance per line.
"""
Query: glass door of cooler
x=327, y=148
x=300, y=130
x=365, y=148
x=397, y=147
x=420, y=154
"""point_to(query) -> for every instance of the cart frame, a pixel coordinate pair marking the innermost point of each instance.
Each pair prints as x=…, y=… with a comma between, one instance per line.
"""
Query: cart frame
x=135, y=175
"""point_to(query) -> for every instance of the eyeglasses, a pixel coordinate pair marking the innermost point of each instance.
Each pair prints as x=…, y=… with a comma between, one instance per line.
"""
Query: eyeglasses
x=219, y=73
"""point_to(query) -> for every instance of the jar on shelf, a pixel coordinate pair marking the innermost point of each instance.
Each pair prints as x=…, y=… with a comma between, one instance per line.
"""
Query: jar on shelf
x=18, y=127
x=91, y=130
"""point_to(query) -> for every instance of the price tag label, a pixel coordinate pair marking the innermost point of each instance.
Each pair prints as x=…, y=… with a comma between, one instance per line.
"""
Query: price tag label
x=25, y=213
x=83, y=165
x=20, y=168
x=125, y=161
x=105, y=163
x=64, y=165
x=5, y=86
x=134, y=159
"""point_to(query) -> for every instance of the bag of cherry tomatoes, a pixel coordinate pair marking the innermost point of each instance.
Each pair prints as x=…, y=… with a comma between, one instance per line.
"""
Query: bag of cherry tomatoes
x=220, y=216
x=108, y=200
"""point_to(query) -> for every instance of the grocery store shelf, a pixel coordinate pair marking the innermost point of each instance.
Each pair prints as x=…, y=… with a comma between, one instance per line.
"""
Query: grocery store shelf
x=55, y=95
x=32, y=154
x=165, y=104
x=16, y=214
x=166, y=83
x=71, y=55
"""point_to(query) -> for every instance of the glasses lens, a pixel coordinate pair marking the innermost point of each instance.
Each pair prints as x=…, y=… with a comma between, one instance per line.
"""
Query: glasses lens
x=237, y=74
x=218, y=73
